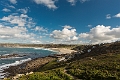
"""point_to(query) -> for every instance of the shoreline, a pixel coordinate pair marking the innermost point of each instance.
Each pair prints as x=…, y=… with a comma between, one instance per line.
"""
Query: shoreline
x=32, y=65
x=59, y=50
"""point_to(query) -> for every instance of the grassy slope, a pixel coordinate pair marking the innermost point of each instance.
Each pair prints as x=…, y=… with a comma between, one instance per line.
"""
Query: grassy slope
x=98, y=67
x=102, y=67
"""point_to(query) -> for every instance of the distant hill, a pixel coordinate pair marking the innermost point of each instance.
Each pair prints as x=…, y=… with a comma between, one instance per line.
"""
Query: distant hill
x=38, y=45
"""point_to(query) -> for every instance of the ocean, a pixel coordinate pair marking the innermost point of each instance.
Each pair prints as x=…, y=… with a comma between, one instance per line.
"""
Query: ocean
x=29, y=54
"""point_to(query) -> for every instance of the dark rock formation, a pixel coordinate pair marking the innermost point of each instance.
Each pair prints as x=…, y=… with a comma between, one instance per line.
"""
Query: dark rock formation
x=28, y=66
x=11, y=55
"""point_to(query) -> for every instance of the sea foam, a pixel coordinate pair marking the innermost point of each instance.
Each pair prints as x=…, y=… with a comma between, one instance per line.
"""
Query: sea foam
x=2, y=75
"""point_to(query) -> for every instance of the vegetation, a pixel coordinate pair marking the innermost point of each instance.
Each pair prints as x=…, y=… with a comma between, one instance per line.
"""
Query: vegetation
x=37, y=45
x=102, y=63
x=102, y=67
x=55, y=74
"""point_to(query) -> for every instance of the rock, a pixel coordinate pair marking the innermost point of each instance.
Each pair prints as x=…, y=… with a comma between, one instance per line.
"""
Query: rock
x=28, y=66
x=10, y=56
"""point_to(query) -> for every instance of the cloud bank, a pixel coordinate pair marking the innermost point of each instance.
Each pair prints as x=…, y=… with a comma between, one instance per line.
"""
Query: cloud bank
x=101, y=34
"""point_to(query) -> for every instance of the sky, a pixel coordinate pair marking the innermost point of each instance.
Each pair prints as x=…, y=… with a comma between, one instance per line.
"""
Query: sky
x=59, y=21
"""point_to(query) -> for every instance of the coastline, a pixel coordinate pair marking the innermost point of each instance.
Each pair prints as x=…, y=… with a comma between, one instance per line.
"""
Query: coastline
x=34, y=64
x=28, y=66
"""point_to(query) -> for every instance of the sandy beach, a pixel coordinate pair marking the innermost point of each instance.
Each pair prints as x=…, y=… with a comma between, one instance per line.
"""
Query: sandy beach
x=63, y=50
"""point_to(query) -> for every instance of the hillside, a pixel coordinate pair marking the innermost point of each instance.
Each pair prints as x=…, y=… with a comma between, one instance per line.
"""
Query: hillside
x=91, y=62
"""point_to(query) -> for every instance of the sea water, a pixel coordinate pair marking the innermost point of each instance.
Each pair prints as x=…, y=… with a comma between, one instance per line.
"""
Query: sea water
x=30, y=53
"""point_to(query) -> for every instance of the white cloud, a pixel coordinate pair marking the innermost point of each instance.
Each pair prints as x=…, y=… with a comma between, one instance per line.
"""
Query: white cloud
x=67, y=27
x=24, y=11
x=23, y=16
x=74, y=38
x=89, y=26
x=49, y=3
x=19, y=20
x=13, y=1
x=72, y=1
x=10, y=6
x=17, y=27
x=117, y=15
x=108, y=16
x=38, y=28
x=82, y=1
x=36, y=42
x=101, y=34
x=7, y=32
x=67, y=34
x=6, y=10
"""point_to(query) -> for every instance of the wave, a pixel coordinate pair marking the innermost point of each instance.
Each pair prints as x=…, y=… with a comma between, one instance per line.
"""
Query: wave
x=2, y=75
x=3, y=51
x=38, y=48
x=10, y=58
x=5, y=54
x=47, y=49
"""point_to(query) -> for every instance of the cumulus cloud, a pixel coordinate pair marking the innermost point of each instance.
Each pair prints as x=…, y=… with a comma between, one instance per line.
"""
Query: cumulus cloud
x=89, y=26
x=117, y=15
x=67, y=34
x=67, y=27
x=6, y=10
x=10, y=6
x=36, y=42
x=13, y=1
x=82, y=1
x=17, y=27
x=72, y=1
x=15, y=20
x=108, y=16
x=20, y=20
x=101, y=34
x=49, y=3
x=74, y=38
x=24, y=11
x=7, y=32
x=38, y=28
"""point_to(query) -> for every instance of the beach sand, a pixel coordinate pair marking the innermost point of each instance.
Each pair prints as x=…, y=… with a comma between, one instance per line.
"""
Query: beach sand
x=63, y=50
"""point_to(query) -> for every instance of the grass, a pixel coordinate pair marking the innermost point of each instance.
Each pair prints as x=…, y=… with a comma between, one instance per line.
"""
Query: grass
x=102, y=67
x=55, y=74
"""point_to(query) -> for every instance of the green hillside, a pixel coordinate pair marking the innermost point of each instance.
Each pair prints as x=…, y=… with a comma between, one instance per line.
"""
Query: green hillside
x=100, y=63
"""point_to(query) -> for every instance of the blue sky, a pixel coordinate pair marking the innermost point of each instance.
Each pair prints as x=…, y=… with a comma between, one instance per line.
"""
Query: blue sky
x=59, y=21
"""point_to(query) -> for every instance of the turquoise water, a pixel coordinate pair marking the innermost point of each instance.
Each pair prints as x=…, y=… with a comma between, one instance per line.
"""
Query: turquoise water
x=30, y=53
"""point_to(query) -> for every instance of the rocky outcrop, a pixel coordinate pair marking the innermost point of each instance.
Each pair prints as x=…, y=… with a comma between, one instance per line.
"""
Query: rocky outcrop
x=10, y=56
x=28, y=66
